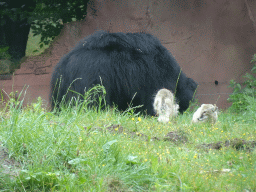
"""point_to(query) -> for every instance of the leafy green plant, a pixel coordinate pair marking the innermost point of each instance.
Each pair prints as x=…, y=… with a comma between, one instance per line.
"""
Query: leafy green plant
x=7, y=65
x=3, y=53
x=53, y=14
x=243, y=94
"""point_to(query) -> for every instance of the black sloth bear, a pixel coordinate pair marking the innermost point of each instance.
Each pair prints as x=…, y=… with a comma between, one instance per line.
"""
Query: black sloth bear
x=126, y=64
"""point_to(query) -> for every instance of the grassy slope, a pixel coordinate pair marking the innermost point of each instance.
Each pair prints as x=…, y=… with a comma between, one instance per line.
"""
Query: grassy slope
x=69, y=152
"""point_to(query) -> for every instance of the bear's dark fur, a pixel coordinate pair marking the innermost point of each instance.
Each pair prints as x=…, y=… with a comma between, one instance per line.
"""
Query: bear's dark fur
x=127, y=63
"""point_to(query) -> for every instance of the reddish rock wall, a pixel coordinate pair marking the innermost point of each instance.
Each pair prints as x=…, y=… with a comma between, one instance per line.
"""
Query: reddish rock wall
x=211, y=40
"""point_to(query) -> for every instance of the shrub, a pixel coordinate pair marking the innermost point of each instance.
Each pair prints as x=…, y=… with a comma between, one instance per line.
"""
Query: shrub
x=243, y=95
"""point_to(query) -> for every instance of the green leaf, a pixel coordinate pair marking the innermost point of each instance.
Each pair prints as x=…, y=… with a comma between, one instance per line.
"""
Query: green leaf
x=253, y=58
x=107, y=146
x=3, y=49
x=249, y=76
x=132, y=159
x=254, y=69
x=76, y=161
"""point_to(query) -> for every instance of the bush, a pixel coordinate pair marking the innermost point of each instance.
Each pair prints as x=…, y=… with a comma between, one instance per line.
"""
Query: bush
x=3, y=53
x=243, y=95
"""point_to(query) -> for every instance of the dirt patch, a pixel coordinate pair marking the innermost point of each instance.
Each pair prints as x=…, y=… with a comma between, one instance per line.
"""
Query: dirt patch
x=7, y=165
x=116, y=129
x=176, y=137
x=115, y=185
x=238, y=144
x=173, y=136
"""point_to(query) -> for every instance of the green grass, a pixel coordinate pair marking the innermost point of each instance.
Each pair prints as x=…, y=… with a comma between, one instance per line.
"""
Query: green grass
x=74, y=150
x=33, y=46
x=68, y=151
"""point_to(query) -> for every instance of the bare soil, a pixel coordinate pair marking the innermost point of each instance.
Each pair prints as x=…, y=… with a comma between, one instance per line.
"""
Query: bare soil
x=7, y=165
